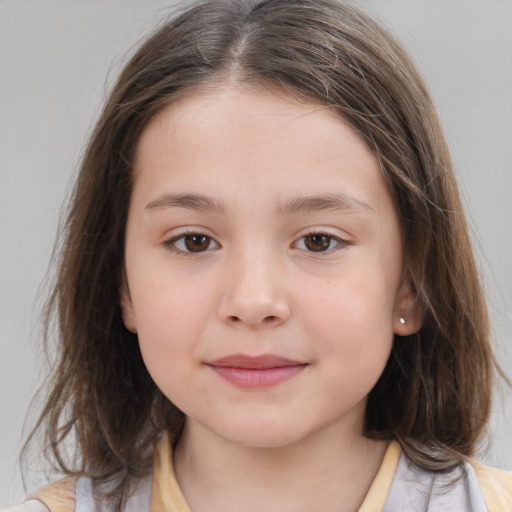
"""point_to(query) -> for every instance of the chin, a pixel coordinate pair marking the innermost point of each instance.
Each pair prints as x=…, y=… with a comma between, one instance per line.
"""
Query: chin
x=262, y=436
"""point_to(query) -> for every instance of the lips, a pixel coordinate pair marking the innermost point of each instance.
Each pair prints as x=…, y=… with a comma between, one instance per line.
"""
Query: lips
x=256, y=372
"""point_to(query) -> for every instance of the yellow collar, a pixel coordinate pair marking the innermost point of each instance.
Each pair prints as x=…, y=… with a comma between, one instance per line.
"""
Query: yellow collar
x=166, y=495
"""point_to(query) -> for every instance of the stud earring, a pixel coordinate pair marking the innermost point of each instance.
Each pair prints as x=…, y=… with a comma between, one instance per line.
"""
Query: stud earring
x=402, y=320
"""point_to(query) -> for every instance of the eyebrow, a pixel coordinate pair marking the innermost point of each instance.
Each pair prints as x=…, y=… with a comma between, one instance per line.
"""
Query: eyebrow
x=311, y=203
x=324, y=202
x=189, y=201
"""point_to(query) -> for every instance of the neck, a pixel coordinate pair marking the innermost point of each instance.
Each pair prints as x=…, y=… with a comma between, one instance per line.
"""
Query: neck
x=326, y=471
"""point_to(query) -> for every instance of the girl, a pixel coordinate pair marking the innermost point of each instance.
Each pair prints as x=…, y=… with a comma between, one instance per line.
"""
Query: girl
x=266, y=296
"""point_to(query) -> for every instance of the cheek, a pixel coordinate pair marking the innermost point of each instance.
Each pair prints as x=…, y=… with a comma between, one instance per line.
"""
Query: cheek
x=168, y=303
x=357, y=340
x=360, y=302
x=352, y=325
x=170, y=323
x=355, y=355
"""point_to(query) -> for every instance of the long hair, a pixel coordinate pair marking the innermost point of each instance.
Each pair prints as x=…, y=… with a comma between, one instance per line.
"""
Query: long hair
x=434, y=394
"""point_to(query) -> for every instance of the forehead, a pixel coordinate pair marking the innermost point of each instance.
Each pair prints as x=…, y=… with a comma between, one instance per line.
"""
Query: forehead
x=264, y=140
x=246, y=112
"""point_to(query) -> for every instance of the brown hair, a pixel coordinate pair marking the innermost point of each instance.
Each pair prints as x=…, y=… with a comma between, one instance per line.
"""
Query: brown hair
x=434, y=394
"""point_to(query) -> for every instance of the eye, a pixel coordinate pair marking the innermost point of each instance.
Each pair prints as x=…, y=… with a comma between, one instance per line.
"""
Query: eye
x=319, y=242
x=192, y=243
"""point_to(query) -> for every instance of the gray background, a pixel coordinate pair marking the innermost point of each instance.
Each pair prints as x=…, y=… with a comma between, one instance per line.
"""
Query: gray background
x=55, y=56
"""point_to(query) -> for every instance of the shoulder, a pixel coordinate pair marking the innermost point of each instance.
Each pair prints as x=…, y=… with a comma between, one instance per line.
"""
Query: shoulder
x=70, y=494
x=56, y=497
x=470, y=486
x=496, y=485
x=27, y=506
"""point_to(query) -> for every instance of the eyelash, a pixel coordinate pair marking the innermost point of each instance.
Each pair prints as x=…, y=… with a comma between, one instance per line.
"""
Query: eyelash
x=340, y=243
x=171, y=244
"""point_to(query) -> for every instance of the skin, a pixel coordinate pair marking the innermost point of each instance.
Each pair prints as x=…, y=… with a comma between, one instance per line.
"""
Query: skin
x=257, y=287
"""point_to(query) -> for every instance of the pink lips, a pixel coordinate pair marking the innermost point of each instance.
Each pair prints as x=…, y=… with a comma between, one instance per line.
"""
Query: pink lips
x=250, y=372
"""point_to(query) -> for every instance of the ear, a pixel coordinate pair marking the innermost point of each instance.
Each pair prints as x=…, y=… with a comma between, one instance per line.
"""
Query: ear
x=127, y=312
x=408, y=315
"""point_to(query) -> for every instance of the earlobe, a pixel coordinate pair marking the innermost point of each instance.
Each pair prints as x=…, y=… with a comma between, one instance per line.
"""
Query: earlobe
x=408, y=314
x=127, y=312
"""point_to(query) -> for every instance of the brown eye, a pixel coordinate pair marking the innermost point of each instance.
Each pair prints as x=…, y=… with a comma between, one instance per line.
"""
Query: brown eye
x=197, y=243
x=191, y=243
x=318, y=242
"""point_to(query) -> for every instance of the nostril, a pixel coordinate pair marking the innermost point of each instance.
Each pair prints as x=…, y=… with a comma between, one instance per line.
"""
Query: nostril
x=270, y=319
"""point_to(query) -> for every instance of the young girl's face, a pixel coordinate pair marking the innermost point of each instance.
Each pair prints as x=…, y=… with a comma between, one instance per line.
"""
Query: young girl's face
x=264, y=264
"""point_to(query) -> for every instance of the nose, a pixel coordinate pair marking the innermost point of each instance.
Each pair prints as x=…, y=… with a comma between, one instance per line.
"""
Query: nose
x=254, y=294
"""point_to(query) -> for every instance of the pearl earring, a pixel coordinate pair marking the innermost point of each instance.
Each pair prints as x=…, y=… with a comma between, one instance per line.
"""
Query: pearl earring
x=402, y=320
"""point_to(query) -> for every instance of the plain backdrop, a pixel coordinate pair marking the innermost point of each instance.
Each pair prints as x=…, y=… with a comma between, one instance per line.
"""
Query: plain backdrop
x=57, y=58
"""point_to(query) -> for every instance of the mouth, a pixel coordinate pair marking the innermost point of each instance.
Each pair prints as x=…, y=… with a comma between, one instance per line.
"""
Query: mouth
x=256, y=372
